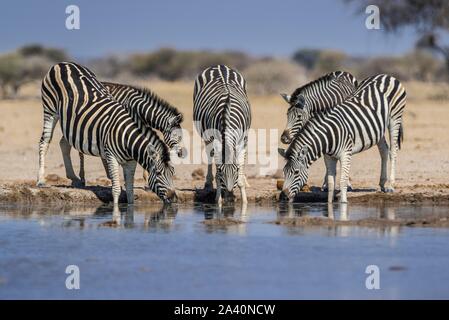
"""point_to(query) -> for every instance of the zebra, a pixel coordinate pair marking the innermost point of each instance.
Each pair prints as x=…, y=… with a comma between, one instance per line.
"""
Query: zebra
x=314, y=97
x=95, y=124
x=353, y=126
x=148, y=111
x=222, y=117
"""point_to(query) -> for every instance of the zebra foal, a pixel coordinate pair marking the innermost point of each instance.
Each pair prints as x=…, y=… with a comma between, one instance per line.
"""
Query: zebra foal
x=353, y=126
x=148, y=111
x=95, y=124
x=222, y=117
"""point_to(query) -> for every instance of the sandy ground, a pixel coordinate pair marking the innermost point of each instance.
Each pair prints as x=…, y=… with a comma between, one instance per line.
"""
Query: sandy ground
x=422, y=171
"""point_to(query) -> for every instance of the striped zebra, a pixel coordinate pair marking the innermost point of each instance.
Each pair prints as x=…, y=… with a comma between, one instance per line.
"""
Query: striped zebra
x=95, y=124
x=148, y=111
x=222, y=116
x=353, y=126
x=315, y=97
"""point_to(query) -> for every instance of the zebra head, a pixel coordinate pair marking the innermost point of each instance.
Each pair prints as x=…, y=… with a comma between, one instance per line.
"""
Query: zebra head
x=296, y=170
x=160, y=178
x=227, y=175
x=297, y=116
x=173, y=135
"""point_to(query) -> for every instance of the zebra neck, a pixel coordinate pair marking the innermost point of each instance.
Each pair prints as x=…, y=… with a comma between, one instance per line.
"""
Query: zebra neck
x=315, y=148
x=153, y=112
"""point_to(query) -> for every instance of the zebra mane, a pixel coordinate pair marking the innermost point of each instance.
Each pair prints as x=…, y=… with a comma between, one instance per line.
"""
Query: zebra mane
x=151, y=96
x=326, y=77
x=160, y=101
x=161, y=147
x=165, y=154
x=302, y=139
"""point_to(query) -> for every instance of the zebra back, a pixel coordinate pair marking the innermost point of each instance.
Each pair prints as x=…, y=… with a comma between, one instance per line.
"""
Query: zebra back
x=221, y=107
x=317, y=96
x=148, y=110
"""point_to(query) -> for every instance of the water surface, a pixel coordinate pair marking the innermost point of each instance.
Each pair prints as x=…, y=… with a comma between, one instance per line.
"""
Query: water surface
x=171, y=253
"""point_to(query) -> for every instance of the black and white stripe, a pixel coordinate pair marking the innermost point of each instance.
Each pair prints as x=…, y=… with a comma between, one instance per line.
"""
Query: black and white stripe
x=353, y=126
x=315, y=97
x=222, y=117
x=150, y=111
x=95, y=124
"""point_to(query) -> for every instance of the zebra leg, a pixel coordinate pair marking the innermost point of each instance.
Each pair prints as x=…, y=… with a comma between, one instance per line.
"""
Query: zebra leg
x=210, y=176
x=105, y=166
x=242, y=182
x=69, y=173
x=129, y=169
x=218, y=197
x=331, y=171
x=113, y=167
x=383, y=150
x=394, y=147
x=345, y=164
x=82, y=173
x=324, y=186
x=145, y=179
x=47, y=133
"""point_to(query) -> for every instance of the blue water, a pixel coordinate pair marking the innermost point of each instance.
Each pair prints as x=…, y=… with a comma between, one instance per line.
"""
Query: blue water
x=171, y=254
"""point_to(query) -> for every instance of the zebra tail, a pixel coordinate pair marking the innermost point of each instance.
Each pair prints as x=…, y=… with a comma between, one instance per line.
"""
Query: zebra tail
x=400, y=135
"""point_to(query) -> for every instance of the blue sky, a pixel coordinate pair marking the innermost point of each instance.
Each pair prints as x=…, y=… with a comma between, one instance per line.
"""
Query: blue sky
x=259, y=27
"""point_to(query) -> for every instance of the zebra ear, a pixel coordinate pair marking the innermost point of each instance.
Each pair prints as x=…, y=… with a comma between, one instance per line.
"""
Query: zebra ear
x=286, y=97
x=176, y=120
x=281, y=152
x=303, y=153
x=301, y=102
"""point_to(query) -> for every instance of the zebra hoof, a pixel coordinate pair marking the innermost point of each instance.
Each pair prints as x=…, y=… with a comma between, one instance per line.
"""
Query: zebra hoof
x=78, y=184
x=208, y=187
x=350, y=189
x=41, y=184
x=387, y=189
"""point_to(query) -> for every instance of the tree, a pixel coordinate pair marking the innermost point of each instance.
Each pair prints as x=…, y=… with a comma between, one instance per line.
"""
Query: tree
x=430, y=18
x=27, y=63
x=11, y=73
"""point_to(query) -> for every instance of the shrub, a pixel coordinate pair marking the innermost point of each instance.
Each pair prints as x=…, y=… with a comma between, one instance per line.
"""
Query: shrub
x=170, y=64
x=417, y=65
x=273, y=76
x=11, y=73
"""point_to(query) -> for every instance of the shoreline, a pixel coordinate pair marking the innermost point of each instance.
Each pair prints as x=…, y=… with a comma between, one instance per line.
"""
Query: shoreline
x=26, y=192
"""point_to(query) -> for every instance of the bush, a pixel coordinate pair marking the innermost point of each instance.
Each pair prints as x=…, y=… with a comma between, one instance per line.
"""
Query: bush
x=273, y=76
x=26, y=64
x=319, y=62
x=11, y=73
x=306, y=57
x=417, y=65
x=170, y=64
x=52, y=54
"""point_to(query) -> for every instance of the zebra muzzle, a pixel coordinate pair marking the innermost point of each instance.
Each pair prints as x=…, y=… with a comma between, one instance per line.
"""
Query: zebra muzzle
x=182, y=152
x=171, y=196
x=285, y=137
